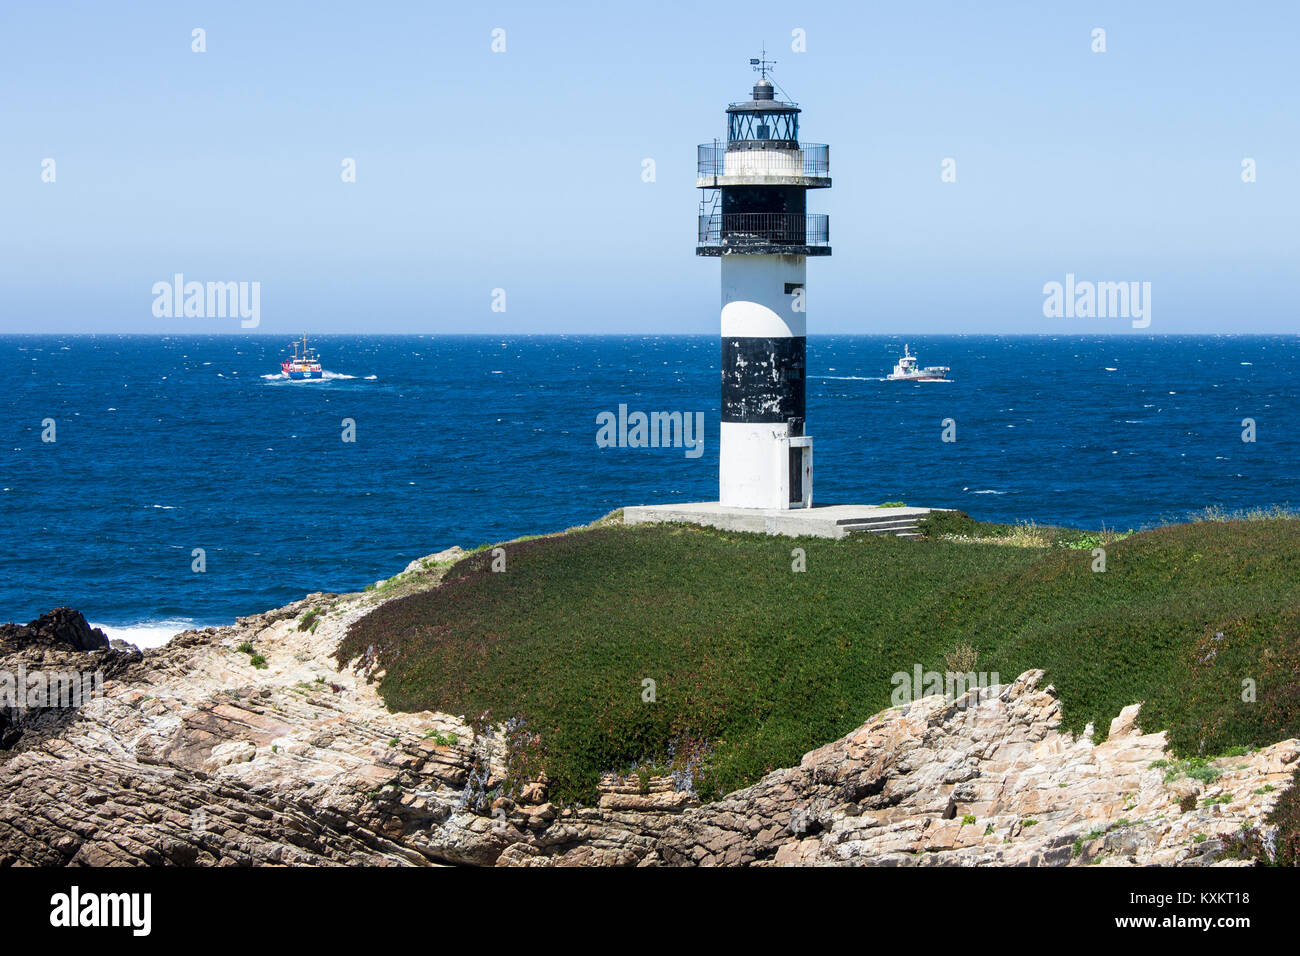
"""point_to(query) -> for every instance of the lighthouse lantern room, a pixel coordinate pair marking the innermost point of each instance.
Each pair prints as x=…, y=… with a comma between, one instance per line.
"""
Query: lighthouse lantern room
x=753, y=216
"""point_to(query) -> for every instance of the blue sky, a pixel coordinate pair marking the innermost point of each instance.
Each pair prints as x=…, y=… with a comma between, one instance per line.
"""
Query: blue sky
x=522, y=170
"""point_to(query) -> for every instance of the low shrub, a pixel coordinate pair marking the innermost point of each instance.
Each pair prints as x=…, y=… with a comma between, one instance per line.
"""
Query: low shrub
x=762, y=664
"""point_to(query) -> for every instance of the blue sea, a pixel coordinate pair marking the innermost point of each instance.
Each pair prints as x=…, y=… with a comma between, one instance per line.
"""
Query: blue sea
x=164, y=445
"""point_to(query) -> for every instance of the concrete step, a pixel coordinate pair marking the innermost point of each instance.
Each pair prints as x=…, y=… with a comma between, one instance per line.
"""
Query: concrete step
x=865, y=518
x=881, y=527
x=897, y=533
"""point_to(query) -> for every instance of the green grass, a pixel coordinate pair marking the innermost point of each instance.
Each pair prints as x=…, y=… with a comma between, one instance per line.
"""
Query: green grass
x=254, y=658
x=755, y=665
x=1286, y=817
x=1195, y=767
x=959, y=526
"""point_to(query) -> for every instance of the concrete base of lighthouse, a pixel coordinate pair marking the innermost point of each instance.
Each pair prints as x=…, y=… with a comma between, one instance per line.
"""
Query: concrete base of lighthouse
x=825, y=521
x=763, y=466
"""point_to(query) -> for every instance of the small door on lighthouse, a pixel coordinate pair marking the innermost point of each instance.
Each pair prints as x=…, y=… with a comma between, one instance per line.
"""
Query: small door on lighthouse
x=796, y=476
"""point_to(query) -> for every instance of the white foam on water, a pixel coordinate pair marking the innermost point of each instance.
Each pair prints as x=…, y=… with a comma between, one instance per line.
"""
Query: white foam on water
x=146, y=633
x=325, y=377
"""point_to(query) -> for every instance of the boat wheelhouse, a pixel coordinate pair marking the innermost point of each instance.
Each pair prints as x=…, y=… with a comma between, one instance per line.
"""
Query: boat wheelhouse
x=906, y=370
x=304, y=364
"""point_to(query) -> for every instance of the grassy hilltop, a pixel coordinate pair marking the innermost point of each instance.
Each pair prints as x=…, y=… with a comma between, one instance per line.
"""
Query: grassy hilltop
x=754, y=663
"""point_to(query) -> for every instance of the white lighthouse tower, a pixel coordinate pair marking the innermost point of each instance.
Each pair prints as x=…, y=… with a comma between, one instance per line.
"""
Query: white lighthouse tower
x=753, y=215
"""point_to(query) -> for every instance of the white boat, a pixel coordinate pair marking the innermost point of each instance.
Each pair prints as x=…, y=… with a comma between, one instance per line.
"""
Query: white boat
x=304, y=364
x=906, y=370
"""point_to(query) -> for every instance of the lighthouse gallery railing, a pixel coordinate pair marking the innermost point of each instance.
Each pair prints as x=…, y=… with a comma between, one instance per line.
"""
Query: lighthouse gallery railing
x=764, y=228
x=814, y=161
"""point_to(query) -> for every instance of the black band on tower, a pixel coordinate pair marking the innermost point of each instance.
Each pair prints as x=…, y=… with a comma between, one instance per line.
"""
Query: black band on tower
x=763, y=379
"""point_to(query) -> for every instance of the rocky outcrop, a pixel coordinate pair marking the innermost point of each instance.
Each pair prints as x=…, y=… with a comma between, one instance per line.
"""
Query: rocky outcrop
x=58, y=643
x=61, y=629
x=989, y=779
x=245, y=745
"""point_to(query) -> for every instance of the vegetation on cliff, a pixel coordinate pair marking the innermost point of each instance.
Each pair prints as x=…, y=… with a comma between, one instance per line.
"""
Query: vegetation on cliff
x=754, y=663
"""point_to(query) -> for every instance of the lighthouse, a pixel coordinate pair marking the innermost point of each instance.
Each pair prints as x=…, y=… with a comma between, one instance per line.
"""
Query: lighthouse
x=754, y=217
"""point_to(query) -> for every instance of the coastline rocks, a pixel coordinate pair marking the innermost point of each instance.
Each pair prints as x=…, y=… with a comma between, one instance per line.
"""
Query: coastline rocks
x=53, y=659
x=195, y=755
x=426, y=563
x=61, y=629
x=987, y=779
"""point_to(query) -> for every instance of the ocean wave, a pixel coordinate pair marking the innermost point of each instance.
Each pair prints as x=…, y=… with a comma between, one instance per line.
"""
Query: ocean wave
x=146, y=633
x=848, y=378
x=326, y=377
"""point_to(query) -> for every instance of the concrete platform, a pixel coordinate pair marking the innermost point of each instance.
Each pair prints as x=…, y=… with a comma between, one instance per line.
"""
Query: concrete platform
x=821, y=521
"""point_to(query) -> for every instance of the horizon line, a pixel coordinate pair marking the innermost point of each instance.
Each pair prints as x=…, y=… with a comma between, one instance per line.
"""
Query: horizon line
x=613, y=335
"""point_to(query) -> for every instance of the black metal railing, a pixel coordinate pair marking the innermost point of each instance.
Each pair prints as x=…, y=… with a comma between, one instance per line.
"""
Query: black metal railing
x=733, y=230
x=814, y=161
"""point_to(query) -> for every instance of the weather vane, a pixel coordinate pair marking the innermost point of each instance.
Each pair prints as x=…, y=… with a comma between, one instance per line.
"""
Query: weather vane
x=762, y=64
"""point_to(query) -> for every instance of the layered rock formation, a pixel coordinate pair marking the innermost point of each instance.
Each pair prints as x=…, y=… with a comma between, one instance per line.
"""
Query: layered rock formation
x=245, y=745
x=60, y=642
